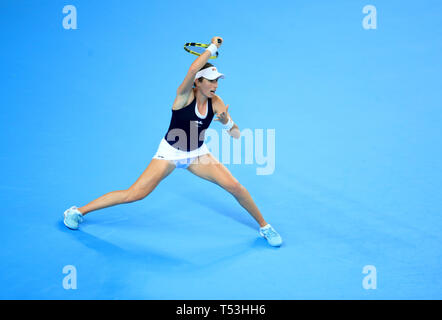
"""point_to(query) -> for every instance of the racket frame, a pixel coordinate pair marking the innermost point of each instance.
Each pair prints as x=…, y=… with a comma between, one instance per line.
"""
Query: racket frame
x=196, y=44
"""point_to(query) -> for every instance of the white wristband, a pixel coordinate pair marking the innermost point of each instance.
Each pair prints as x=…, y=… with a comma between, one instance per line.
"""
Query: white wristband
x=229, y=124
x=212, y=48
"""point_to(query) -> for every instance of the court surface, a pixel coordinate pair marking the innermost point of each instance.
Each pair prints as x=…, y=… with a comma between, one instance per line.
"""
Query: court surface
x=357, y=173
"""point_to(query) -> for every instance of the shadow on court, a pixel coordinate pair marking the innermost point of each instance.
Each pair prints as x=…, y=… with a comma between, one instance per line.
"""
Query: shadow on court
x=134, y=252
x=226, y=208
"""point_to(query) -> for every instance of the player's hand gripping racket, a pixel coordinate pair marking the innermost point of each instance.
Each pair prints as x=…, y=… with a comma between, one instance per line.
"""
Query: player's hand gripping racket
x=199, y=48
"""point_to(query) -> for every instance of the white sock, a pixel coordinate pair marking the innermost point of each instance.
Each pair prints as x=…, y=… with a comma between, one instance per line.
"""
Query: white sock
x=267, y=226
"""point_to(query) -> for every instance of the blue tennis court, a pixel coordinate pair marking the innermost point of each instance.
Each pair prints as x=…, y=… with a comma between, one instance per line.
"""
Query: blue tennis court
x=352, y=179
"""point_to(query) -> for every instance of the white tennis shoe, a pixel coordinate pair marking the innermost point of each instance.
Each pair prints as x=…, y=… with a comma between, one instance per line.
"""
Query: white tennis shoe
x=72, y=218
x=270, y=234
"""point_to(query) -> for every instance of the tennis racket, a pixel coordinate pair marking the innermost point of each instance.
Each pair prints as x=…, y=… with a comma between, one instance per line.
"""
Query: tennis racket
x=199, y=48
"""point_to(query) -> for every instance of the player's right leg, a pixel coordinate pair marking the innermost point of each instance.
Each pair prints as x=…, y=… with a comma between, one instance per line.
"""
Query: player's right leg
x=156, y=171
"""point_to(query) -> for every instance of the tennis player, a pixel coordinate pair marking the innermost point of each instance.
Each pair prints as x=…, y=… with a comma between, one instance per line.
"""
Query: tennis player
x=183, y=146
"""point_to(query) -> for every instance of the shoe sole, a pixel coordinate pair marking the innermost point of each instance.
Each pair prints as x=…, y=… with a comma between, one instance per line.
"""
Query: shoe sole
x=273, y=245
x=70, y=227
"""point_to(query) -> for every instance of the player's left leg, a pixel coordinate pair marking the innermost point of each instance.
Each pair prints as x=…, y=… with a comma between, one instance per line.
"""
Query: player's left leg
x=209, y=168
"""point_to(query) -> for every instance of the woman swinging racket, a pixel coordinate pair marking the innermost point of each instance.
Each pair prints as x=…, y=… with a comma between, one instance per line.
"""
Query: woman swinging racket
x=183, y=146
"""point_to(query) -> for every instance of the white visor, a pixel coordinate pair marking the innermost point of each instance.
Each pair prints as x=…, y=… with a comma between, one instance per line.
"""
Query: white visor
x=209, y=73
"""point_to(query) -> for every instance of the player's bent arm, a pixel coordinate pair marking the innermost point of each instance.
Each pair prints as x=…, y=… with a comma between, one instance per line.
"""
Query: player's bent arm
x=183, y=91
x=219, y=105
x=187, y=84
x=219, y=108
x=185, y=88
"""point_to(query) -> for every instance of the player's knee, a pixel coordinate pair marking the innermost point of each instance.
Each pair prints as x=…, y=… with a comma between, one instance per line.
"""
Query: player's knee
x=235, y=188
x=133, y=195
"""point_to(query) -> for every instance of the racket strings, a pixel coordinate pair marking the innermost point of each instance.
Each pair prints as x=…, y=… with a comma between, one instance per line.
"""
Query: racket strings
x=197, y=49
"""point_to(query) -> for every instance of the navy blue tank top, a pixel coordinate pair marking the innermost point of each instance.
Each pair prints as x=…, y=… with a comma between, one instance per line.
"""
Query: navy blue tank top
x=187, y=130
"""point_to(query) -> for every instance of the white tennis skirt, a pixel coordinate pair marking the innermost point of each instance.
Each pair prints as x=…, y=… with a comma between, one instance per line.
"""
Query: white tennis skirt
x=181, y=158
